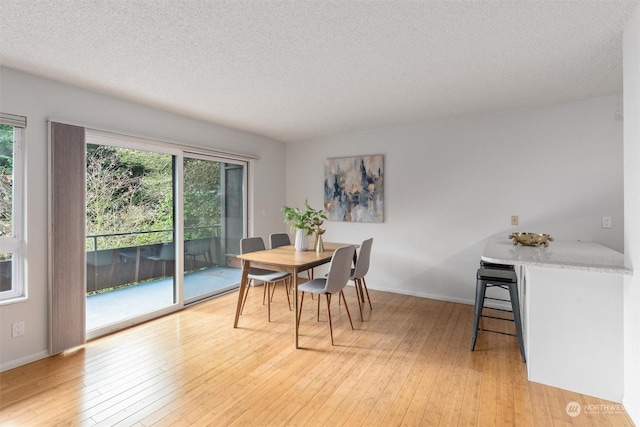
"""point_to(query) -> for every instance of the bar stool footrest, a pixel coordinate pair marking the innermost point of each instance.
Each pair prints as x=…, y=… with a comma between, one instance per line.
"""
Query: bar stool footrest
x=498, y=332
x=497, y=299
x=497, y=318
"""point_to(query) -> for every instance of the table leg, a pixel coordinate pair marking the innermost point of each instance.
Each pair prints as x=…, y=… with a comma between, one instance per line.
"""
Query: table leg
x=243, y=289
x=295, y=303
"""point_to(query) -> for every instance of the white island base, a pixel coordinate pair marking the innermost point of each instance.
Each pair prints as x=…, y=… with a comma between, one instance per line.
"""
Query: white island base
x=571, y=301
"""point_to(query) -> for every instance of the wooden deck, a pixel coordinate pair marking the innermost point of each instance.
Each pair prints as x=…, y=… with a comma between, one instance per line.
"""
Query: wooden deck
x=408, y=364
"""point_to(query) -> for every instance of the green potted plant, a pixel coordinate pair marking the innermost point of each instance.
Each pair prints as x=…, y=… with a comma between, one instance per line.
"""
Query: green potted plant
x=305, y=223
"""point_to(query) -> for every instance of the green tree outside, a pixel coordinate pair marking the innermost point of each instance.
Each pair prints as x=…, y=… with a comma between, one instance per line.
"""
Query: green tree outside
x=202, y=196
x=6, y=179
x=132, y=191
x=128, y=191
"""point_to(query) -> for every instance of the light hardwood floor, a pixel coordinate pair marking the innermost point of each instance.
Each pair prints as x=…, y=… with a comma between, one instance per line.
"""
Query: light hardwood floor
x=408, y=364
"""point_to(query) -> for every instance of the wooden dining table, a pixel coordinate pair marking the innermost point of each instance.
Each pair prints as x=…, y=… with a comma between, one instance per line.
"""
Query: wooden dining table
x=287, y=259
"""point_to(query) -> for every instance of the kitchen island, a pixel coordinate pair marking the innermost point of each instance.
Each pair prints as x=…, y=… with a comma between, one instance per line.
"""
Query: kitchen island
x=571, y=303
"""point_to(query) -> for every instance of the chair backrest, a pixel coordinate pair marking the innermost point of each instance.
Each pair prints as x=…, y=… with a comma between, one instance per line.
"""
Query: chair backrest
x=167, y=252
x=251, y=244
x=279, y=239
x=362, y=264
x=340, y=269
x=198, y=246
x=485, y=264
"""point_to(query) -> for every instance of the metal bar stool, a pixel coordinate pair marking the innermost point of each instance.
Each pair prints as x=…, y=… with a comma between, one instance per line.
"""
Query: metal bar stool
x=485, y=264
x=505, y=279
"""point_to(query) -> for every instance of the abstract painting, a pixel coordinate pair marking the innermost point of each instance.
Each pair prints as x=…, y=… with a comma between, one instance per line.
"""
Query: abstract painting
x=353, y=188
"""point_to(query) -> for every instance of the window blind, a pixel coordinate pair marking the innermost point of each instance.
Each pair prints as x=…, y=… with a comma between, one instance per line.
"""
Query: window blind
x=67, y=267
x=13, y=120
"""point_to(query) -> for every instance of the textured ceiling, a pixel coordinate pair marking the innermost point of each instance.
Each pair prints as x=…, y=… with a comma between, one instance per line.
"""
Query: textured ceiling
x=299, y=70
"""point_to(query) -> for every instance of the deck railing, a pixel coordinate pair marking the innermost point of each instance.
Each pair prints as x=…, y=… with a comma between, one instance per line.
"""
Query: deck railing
x=112, y=267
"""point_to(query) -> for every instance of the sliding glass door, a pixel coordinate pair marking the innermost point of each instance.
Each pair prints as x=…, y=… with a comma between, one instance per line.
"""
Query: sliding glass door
x=130, y=233
x=214, y=222
x=163, y=228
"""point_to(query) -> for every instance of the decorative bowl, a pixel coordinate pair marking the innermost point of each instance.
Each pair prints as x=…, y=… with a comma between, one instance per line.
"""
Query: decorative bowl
x=531, y=239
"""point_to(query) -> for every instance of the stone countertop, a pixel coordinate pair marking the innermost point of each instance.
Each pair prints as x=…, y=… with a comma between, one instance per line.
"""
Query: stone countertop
x=586, y=256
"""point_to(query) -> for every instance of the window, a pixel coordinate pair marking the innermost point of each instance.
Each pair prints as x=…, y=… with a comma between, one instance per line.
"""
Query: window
x=12, y=129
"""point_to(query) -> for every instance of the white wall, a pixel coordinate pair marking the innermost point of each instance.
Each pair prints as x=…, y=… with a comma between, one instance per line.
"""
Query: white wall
x=39, y=99
x=449, y=185
x=632, y=215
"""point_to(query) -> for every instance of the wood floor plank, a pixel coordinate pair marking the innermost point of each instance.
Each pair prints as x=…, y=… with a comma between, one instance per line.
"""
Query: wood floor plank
x=407, y=354
x=285, y=406
x=428, y=399
x=342, y=334
x=410, y=403
x=367, y=388
x=439, y=391
x=457, y=371
x=408, y=363
x=325, y=386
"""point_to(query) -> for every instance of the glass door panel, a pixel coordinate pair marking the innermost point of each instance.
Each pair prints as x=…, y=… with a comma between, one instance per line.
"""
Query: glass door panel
x=214, y=212
x=129, y=234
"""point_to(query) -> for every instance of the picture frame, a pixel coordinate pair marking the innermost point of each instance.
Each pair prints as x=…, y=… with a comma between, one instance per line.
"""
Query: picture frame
x=354, y=188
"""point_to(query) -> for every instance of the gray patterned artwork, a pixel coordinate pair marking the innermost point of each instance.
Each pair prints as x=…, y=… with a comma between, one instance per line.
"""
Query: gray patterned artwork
x=354, y=187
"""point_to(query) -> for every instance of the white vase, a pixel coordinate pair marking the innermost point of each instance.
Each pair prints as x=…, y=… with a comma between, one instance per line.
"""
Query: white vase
x=302, y=240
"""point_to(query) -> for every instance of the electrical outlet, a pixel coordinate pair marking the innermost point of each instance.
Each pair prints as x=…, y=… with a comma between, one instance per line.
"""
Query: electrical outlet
x=606, y=222
x=514, y=219
x=17, y=329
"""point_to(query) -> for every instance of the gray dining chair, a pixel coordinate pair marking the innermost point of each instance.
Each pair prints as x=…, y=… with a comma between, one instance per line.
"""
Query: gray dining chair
x=282, y=239
x=361, y=269
x=269, y=277
x=334, y=282
x=166, y=254
x=197, y=248
x=279, y=239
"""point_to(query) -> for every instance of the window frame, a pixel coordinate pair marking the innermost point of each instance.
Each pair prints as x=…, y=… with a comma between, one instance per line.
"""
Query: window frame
x=15, y=244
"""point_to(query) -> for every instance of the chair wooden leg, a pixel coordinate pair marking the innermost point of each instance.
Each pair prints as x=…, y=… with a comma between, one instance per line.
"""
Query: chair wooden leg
x=318, y=307
x=300, y=310
x=347, y=308
x=329, y=315
x=268, y=284
x=367, y=291
x=273, y=290
x=264, y=291
x=310, y=277
x=286, y=291
x=357, y=286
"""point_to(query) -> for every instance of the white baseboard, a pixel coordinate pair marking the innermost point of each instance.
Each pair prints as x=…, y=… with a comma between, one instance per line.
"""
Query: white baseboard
x=425, y=295
x=438, y=297
x=23, y=361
